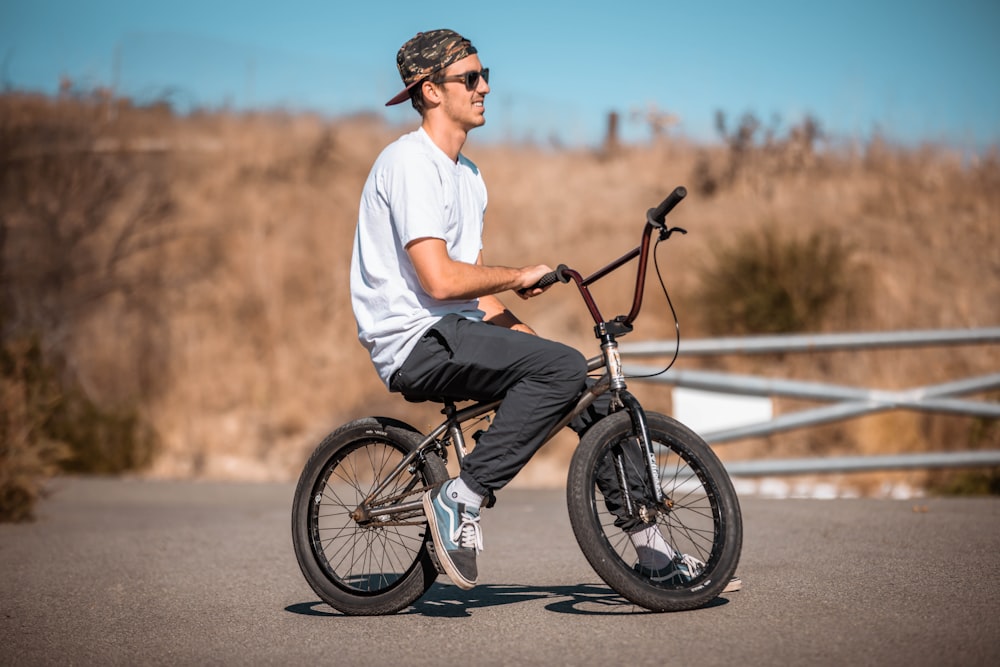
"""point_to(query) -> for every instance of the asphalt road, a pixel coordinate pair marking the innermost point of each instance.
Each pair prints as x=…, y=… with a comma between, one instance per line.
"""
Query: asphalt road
x=189, y=573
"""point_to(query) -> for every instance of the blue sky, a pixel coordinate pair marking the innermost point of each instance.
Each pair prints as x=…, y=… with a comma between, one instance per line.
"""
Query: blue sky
x=922, y=70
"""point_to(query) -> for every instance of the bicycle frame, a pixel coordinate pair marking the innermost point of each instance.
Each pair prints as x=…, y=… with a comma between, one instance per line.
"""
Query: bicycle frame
x=612, y=379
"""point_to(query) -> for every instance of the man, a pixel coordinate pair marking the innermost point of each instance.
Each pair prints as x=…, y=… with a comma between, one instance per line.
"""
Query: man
x=426, y=306
x=425, y=299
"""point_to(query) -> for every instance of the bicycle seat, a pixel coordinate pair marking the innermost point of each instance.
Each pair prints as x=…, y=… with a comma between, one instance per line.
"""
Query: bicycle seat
x=418, y=398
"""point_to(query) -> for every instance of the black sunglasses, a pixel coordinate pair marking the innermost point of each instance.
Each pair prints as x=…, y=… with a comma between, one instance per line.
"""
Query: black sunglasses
x=470, y=79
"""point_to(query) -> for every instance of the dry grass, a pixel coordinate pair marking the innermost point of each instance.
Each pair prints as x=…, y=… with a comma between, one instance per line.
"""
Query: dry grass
x=231, y=329
x=27, y=455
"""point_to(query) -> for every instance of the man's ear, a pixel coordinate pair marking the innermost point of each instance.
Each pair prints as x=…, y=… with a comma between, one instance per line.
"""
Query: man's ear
x=430, y=92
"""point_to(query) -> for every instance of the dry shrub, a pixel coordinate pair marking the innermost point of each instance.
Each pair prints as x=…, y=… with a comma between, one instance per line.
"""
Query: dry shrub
x=49, y=426
x=768, y=281
x=86, y=232
x=28, y=456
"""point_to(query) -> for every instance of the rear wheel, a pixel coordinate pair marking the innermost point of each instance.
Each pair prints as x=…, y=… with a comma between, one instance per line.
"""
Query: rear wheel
x=357, y=563
x=700, y=515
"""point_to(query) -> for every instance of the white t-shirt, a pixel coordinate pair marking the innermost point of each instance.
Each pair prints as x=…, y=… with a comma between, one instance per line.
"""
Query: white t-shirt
x=414, y=191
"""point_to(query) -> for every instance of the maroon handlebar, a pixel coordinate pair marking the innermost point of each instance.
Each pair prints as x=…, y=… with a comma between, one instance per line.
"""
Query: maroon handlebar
x=654, y=220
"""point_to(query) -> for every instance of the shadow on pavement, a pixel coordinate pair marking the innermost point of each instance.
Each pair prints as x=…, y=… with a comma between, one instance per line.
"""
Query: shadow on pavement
x=445, y=601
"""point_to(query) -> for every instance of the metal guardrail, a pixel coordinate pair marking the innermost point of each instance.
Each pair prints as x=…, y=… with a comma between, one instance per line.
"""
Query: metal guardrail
x=848, y=464
x=848, y=402
x=815, y=342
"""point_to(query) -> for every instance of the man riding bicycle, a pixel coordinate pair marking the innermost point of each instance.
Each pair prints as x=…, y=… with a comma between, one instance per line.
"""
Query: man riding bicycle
x=427, y=309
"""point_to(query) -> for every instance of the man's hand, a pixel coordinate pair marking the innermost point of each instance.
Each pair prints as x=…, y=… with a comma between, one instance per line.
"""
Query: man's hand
x=532, y=275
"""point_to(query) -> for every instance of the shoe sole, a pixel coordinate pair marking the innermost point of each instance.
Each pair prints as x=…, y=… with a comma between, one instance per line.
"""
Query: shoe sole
x=442, y=554
x=734, y=585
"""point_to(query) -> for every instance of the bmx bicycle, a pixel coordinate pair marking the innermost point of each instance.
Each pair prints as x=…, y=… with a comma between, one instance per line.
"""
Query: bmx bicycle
x=358, y=526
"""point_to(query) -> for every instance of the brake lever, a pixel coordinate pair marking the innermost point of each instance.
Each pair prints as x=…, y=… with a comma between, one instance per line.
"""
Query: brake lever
x=665, y=232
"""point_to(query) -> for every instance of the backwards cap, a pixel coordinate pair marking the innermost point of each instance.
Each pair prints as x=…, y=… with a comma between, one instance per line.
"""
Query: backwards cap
x=426, y=54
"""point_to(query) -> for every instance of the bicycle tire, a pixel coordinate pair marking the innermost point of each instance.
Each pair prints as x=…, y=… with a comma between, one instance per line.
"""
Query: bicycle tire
x=704, y=520
x=364, y=568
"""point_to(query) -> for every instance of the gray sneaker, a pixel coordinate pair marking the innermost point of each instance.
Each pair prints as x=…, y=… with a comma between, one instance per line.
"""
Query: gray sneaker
x=683, y=570
x=456, y=535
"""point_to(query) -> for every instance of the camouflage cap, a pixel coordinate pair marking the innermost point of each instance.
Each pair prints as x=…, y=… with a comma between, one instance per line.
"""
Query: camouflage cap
x=427, y=53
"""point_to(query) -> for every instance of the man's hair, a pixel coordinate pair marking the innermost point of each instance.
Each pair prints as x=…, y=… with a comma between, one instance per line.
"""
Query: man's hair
x=417, y=98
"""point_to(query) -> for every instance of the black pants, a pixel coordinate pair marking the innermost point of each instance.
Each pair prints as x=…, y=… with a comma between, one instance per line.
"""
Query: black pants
x=461, y=359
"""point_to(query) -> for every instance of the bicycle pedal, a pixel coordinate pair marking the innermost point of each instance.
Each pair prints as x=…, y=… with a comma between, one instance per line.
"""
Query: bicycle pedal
x=434, y=557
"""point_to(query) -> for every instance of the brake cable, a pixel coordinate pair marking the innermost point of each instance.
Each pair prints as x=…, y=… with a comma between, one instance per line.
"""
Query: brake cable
x=677, y=325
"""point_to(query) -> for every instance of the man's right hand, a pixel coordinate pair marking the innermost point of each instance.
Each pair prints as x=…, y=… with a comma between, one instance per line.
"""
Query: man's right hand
x=532, y=274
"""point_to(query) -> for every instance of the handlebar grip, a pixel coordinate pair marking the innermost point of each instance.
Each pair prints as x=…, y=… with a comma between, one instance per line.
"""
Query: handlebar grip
x=549, y=278
x=656, y=215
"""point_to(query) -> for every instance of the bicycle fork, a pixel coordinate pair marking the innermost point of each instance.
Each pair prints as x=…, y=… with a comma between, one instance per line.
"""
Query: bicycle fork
x=640, y=428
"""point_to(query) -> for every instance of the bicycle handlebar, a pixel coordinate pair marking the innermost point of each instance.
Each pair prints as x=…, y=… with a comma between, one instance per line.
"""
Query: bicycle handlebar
x=553, y=277
x=654, y=220
x=655, y=216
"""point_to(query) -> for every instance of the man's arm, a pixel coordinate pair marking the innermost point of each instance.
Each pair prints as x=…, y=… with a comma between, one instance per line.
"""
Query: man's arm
x=443, y=278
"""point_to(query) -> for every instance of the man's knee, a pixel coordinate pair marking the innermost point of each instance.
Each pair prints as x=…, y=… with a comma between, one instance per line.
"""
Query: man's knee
x=569, y=367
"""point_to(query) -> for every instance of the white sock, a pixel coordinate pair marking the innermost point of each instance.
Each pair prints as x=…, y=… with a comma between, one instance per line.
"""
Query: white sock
x=653, y=551
x=460, y=492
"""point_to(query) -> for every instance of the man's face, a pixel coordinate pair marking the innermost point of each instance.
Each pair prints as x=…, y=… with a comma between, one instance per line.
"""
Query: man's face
x=463, y=106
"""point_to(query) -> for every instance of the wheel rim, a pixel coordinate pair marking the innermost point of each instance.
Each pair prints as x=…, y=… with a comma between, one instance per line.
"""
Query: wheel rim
x=692, y=524
x=364, y=558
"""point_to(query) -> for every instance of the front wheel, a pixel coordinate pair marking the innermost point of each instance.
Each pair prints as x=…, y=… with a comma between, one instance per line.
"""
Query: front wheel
x=700, y=514
x=357, y=562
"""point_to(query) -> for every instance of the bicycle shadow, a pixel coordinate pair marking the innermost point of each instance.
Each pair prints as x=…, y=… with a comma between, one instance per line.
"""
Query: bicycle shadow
x=447, y=601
